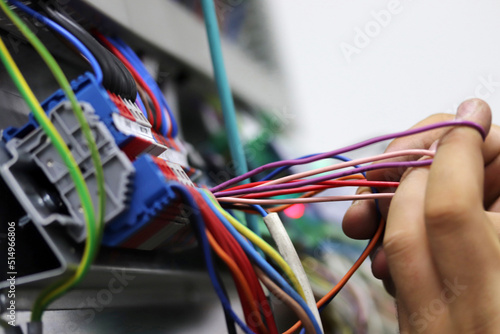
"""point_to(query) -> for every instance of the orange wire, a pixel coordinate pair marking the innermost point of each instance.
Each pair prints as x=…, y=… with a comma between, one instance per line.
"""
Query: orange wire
x=240, y=278
x=348, y=275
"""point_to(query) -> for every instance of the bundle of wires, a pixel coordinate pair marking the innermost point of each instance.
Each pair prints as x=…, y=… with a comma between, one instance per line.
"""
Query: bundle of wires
x=123, y=73
x=132, y=61
x=116, y=78
x=269, y=192
x=229, y=239
x=118, y=69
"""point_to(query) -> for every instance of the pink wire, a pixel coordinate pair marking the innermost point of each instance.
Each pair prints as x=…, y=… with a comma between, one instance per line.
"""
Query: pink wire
x=304, y=200
x=278, y=184
x=347, y=149
x=349, y=164
x=315, y=180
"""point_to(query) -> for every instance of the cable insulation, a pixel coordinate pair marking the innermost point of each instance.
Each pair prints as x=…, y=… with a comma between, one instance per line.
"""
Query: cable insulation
x=347, y=149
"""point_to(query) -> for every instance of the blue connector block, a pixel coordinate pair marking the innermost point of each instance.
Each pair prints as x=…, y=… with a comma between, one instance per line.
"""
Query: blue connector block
x=86, y=89
x=152, y=195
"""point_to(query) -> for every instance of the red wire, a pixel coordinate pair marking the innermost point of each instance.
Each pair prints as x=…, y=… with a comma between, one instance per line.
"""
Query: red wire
x=138, y=78
x=260, y=298
x=257, y=183
x=222, y=239
x=223, y=242
x=322, y=186
x=331, y=183
x=231, y=246
x=238, y=277
x=235, y=250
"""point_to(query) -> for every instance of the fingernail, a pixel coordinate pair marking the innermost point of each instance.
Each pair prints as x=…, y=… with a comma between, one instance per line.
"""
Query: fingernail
x=466, y=109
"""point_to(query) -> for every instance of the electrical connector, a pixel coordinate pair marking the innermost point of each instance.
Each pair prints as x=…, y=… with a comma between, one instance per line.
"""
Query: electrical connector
x=41, y=182
x=155, y=212
x=126, y=123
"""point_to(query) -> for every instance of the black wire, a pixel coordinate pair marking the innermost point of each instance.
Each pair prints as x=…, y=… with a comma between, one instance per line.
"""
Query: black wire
x=116, y=78
x=230, y=206
x=93, y=46
x=231, y=326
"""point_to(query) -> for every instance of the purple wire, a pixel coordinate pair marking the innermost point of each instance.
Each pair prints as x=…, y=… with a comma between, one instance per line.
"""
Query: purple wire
x=347, y=149
x=324, y=177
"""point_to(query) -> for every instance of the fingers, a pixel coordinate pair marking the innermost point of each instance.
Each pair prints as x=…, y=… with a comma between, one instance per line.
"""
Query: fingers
x=360, y=221
x=455, y=219
x=492, y=181
x=380, y=269
x=417, y=141
x=491, y=149
x=405, y=245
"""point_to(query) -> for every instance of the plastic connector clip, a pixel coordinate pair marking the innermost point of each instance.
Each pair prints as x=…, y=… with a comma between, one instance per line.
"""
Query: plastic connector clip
x=155, y=212
x=132, y=136
x=35, y=154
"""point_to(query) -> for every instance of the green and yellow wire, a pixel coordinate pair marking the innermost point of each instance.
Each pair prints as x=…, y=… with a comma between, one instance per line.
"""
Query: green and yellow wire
x=93, y=235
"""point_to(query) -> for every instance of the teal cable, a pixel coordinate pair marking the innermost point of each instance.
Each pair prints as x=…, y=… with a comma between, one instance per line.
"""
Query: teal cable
x=226, y=98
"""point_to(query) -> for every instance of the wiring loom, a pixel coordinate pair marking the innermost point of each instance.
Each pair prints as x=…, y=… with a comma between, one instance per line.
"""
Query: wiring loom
x=269, y=192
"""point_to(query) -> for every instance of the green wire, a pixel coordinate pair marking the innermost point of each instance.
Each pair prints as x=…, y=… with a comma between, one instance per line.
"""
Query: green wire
x=61, y=148
x=53, y=292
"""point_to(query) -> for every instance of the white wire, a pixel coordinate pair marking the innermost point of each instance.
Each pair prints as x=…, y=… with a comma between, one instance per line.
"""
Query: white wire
x=287, y=250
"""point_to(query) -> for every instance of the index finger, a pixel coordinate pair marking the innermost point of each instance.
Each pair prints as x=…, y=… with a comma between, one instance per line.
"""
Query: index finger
x=462, y=240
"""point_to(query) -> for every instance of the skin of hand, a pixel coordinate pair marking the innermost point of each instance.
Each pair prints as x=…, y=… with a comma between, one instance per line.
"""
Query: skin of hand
x=440, y=256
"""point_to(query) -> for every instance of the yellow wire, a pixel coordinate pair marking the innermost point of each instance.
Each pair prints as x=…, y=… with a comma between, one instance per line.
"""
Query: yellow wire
x=58, y=141
x=266, y=248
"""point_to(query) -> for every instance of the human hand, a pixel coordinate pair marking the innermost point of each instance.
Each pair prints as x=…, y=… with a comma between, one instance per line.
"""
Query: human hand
x=361, y=220
x=440, y=245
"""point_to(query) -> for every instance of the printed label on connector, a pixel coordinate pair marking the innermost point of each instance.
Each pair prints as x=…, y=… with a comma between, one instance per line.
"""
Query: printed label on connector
x=128, y=127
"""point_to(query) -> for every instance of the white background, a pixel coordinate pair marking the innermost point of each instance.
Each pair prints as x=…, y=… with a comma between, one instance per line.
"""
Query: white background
x=428, y=58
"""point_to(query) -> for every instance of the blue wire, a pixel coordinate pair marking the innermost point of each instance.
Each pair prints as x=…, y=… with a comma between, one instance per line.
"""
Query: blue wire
x=143, y=72
x=141, y=105
x=200, y=227
x=260, y=209
x=66, y=34
x=139, y=66
x=338, y=157
x=283, y=168
x=257, y=259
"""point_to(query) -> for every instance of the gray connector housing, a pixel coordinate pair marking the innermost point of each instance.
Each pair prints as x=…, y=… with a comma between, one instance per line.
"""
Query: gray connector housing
x=37, y=148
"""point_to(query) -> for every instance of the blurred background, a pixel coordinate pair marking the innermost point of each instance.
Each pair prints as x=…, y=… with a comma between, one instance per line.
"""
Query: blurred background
x=358, y=69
